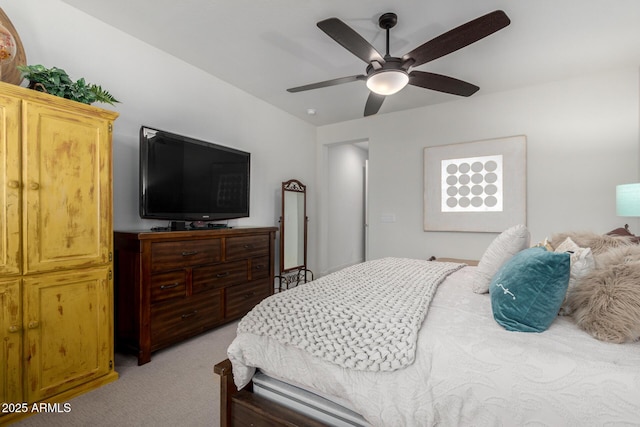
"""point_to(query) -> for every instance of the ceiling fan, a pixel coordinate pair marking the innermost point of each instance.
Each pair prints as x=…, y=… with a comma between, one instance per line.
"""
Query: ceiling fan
x=389, y=74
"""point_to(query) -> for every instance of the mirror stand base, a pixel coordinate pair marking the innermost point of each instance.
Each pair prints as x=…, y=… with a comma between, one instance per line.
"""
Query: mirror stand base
x=291, y=279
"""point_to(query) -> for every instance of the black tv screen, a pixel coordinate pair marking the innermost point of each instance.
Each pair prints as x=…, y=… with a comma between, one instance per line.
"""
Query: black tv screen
x=182, y=178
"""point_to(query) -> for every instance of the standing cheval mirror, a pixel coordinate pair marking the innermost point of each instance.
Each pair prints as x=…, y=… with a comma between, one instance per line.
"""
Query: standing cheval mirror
x=293, y=235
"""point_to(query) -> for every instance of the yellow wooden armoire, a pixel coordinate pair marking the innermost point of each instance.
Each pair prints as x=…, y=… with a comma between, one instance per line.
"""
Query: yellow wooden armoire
x=56, y=250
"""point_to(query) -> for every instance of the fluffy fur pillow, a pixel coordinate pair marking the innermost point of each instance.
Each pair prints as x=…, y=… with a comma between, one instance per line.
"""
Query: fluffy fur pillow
x=598, y=243
x=623, y=254
x=582, y=262
x=606, y=303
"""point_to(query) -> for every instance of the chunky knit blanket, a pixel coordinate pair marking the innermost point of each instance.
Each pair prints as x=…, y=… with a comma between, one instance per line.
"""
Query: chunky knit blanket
x=364, y=317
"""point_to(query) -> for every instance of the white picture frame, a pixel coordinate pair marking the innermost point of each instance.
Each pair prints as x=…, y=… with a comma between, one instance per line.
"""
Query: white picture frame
x=477, y=186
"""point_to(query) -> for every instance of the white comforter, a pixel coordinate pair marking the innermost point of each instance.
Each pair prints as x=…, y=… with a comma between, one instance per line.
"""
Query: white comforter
x=470, y=371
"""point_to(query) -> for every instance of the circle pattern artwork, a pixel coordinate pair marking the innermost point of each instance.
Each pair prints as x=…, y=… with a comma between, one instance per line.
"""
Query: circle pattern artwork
x=472, y=184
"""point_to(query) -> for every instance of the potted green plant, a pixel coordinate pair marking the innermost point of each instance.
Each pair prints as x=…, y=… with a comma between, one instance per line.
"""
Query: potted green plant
x=56, y=81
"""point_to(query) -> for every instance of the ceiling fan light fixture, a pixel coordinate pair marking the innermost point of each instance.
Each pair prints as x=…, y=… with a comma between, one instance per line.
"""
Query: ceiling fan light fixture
x=387, y=82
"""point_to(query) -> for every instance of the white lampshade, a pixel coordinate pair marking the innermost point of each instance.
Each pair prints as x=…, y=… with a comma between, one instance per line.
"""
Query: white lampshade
x=387, y=82
x=628, y=200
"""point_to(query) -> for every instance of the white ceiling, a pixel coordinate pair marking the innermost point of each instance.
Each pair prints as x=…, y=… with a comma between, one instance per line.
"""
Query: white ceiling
x=266, y=46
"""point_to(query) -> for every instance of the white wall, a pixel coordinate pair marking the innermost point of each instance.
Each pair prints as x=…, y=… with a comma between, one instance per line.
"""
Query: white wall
x=161, y=91
x=583, y=138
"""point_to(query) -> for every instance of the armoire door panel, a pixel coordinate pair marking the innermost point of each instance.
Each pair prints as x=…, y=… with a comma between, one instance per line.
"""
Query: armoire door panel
x=10, y=341
x=67, y=190
x=68, y=330
x=10, y=185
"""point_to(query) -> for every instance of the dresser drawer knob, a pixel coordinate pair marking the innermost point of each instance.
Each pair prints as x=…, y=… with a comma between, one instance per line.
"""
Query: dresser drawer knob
x=14, y=328
x=171, y=286
x=249, y=295
x=259, y=267
x=193, y=313
x=221, y=275
x=248, y=246
x=189, y=253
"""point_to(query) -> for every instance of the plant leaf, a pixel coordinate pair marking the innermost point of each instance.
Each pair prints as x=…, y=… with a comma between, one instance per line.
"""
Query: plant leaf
x=56, y=81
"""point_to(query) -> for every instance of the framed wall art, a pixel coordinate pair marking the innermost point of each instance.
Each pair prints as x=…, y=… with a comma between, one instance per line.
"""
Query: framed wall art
x=476, y=186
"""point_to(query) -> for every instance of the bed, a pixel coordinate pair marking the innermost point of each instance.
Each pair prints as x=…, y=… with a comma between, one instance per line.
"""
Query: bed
x=463, y=368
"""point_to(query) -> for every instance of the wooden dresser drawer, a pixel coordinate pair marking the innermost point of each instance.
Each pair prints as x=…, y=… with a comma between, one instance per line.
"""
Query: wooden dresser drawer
x=173, y=321
x=219, y=275
x=173, y=255
x=260, y=268
x=168, y=285
x=173, y=285
x=247, y=247
x=239, y=299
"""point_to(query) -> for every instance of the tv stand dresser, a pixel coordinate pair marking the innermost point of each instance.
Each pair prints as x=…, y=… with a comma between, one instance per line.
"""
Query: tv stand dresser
x=172, y=285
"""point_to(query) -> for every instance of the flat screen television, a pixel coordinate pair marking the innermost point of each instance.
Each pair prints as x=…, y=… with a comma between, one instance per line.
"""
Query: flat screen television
x=185, y=179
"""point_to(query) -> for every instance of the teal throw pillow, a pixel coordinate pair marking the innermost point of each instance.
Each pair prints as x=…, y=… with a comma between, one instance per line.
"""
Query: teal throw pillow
x=528, y=290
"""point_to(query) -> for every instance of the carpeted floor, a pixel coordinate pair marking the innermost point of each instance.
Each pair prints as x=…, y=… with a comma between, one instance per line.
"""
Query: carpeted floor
x=177, y=388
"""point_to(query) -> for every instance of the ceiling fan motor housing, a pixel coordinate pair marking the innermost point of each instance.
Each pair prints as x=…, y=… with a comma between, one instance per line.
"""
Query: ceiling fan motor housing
x=391, y=63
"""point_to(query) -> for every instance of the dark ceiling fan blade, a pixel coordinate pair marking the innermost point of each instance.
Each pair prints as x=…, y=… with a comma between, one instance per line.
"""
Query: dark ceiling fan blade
x=441, y=83
x=350, y=40
x=458, y=38
x=374, y=102
x=327, y=83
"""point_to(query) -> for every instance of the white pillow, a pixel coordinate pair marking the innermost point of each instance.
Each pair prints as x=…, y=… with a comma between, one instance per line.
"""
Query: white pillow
x=582, y=263
x=567, y=245
x=503, y=247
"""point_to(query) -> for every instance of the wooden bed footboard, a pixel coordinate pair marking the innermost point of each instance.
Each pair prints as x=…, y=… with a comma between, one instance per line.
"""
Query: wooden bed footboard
x=244, y=408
